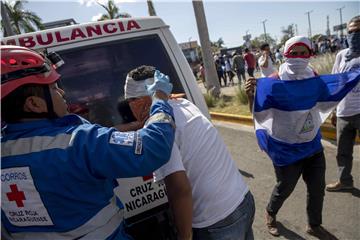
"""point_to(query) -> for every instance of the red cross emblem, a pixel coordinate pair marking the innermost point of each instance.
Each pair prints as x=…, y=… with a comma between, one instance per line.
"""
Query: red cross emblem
x=145, y=178
x=16, y=195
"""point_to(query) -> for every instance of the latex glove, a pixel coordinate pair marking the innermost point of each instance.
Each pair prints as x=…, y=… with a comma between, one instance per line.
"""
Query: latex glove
x=161, y=83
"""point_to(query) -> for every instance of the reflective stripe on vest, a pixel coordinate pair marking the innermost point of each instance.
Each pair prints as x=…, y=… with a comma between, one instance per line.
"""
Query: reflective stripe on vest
x=35, y=144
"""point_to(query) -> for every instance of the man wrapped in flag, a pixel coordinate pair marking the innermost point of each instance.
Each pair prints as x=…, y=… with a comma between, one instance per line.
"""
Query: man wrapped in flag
x=289, y=108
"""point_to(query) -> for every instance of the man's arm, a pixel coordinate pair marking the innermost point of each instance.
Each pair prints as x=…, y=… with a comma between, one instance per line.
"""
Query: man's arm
x=250, y=85
x=180, y=199
x=264, y=61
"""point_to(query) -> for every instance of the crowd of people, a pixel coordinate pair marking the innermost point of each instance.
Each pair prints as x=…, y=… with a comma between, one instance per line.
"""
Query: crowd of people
x=206, y=192
x=263, y=59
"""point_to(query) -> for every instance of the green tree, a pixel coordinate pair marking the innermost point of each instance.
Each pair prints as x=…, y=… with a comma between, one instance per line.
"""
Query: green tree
x=112, y=11
x=258, y=41
x=288, y=33
x=217, y=45
x=21, y=20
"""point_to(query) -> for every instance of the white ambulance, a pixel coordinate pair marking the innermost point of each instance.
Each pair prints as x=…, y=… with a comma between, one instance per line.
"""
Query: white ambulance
x=98, y=56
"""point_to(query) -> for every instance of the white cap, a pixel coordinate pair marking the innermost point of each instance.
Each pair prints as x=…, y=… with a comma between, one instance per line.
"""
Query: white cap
x=135, y=89
x=295, y=41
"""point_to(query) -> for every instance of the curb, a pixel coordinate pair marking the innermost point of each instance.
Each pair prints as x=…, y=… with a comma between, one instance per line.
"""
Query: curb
x=327, y=130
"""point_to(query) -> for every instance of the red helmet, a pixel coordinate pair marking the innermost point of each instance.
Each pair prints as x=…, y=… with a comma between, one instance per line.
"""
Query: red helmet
x=20, y=66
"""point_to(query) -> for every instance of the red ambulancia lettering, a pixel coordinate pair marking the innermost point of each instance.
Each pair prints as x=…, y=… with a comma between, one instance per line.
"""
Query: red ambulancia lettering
x=121, y=26
x=76, y=32
x=27, y=42
x=49, y=39
x=132, y=24
x=107, y=28
x=9, y=42
x=16, y=195
x=93, y=29
x=59, y=38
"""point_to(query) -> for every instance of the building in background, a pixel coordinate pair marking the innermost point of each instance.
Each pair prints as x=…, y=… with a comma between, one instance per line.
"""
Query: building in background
x=60, y=23
x=190, y=51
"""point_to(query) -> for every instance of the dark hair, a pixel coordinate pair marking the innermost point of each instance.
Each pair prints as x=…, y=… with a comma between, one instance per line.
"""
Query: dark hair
x=246, y=50
x=12, y=106
x=143, y=72
x=263, y=46
x=355, y=19
x=125, y=111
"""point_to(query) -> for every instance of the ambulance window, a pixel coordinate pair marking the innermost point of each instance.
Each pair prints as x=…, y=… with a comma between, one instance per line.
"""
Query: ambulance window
x=93, y=77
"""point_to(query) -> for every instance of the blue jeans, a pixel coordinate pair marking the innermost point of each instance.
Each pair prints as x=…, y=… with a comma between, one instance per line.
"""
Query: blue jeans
x=236, y=226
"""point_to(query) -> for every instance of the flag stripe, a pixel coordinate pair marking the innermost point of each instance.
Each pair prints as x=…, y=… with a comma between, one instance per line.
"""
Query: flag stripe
x=293, y=126
x=303, y=94
x=282, y=153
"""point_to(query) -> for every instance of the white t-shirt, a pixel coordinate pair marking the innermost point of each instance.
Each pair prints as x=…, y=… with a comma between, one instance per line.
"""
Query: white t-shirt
x=266, y=71
x=217, y=186
x=350, y=105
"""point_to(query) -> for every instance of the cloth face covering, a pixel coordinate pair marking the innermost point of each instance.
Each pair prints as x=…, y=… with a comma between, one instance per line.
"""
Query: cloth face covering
x=295, y=69
x=354, y=46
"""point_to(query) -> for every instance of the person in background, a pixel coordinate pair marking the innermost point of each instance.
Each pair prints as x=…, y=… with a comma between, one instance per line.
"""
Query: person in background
x=250, y=62
x=206, y=192
x=266, y=62
x=239, y=66
x=57, y=169
x=220, y=72
x=278, y=57
x=347, y=116
x=229, y=71
x=297, y=54
x=202, y=74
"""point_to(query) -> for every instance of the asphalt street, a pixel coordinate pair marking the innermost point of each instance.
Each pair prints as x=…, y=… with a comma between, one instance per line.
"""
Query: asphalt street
x=341, y=213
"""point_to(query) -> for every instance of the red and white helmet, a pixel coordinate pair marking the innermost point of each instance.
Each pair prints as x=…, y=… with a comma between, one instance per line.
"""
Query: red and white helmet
x=20, y=66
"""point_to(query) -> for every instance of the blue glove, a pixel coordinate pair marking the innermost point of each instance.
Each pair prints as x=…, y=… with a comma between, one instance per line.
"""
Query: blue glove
x=161, y=83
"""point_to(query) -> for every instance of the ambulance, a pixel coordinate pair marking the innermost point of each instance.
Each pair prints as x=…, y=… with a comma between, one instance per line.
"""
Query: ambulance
x=98, y=56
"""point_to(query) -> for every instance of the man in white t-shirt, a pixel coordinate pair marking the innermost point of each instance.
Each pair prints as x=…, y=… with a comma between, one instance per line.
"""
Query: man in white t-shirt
x=221, y=206
x=266, y=62
x=347, y=118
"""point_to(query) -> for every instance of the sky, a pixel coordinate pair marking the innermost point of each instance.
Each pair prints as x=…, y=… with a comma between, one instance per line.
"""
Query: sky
x=229, y=20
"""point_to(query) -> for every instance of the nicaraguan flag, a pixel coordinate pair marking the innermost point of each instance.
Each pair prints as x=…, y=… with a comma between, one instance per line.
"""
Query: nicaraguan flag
x=288, y=114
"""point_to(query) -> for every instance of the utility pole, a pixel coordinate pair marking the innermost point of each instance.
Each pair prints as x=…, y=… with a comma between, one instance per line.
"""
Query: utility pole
x=308, y=13
x=263, y=22
x=341, y=22
x=151, y=8
x=8, y=31
x=328, y=33
x=296, y=30
x=211, y=78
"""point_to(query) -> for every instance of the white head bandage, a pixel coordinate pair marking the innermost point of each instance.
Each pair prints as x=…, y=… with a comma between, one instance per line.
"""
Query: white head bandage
x=135, y=89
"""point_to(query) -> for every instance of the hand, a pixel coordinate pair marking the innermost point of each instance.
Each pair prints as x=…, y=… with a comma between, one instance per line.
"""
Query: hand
x=250, y=85
x=333, y=119
x=161, y=83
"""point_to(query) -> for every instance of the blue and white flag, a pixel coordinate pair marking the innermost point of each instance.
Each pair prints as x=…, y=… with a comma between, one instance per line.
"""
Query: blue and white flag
x=288, y=114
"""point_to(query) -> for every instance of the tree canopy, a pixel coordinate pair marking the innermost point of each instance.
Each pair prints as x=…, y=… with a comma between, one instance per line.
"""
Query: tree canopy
x=21, y=20
x=112, y=11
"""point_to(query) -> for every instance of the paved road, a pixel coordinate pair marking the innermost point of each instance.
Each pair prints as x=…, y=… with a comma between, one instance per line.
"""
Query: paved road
x=341, y=214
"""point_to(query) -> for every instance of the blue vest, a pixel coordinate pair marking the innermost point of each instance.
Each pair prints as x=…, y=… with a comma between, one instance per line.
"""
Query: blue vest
x=58, y=175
